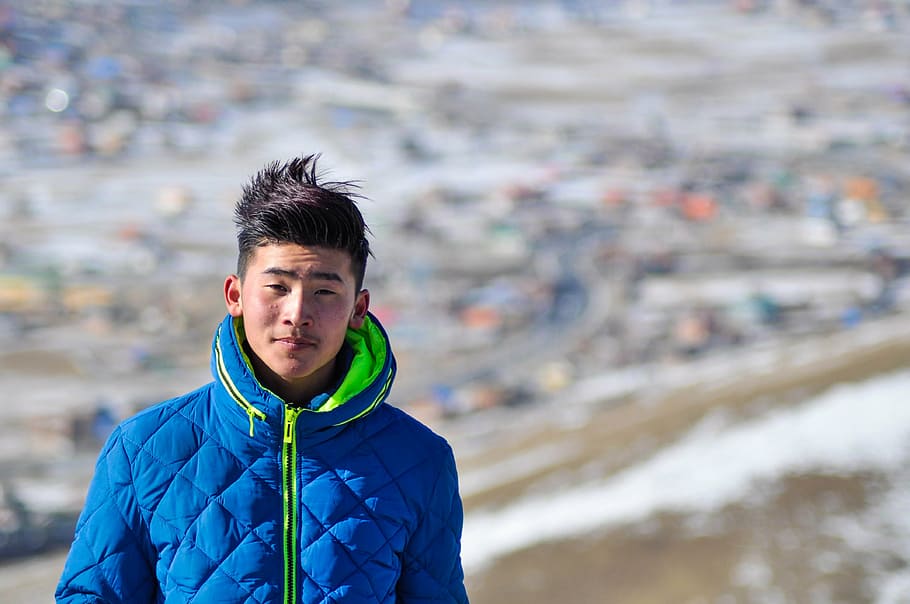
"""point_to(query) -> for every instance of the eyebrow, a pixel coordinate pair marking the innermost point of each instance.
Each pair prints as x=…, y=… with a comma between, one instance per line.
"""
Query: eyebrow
x=313, y=275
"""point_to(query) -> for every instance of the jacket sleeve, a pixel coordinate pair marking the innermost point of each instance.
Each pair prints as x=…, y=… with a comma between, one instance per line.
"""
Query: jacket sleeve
x=110, y=558
x=431, y=570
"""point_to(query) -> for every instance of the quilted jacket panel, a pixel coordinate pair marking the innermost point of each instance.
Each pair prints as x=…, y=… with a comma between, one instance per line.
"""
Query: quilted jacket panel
x=187, y=501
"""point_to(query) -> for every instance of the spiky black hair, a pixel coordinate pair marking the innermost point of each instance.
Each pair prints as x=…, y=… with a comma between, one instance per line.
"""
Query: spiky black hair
x=287, y=203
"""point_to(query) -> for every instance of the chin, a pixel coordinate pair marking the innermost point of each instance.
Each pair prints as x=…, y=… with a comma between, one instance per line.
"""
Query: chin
x=292, y=375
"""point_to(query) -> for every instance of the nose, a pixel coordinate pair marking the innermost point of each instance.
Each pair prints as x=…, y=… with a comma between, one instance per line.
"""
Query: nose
x=297, y=310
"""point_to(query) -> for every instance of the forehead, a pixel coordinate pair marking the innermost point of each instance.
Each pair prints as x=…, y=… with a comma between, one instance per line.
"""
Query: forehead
x=301, y=259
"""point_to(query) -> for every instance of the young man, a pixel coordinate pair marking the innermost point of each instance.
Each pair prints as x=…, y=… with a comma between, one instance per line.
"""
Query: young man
x=287, y=479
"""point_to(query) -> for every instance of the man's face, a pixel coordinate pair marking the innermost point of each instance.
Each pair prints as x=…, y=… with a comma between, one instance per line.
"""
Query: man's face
x=297, y=303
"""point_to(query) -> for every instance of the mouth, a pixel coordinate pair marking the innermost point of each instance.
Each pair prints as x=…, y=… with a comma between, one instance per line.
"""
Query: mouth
x=296, y=343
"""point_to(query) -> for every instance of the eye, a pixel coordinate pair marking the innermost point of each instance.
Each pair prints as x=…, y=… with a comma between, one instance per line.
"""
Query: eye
x=277, y=287
x=325, y=292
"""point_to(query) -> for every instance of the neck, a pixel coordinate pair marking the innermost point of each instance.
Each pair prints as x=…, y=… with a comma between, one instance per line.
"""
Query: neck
x=299, y=392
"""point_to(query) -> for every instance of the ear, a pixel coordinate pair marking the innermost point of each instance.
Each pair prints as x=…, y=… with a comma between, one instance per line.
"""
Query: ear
x=361, y=306
x=232, y=298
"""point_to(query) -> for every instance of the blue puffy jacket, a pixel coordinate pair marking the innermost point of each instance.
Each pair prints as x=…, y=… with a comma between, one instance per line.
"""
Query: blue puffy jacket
x=226, y=494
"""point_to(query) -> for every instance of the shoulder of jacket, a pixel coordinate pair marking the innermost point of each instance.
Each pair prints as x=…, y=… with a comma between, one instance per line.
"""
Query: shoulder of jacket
x=149, y=420
x=396, y=423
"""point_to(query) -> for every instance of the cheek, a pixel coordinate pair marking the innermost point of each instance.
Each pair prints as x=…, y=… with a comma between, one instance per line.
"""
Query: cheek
x=263, y=311
x=337, y=318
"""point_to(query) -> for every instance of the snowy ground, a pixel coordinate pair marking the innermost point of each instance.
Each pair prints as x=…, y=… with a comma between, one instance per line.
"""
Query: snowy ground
x=785, y=485
x=851, y=428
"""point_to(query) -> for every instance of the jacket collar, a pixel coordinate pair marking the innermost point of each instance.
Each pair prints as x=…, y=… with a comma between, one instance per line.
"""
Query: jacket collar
x=365, y=386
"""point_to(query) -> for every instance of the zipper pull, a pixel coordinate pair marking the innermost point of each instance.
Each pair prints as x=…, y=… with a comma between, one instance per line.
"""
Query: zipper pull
x=252, y=413
x=290, y=419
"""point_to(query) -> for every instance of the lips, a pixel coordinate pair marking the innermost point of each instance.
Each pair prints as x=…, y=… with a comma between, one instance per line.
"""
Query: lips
x=296, y=343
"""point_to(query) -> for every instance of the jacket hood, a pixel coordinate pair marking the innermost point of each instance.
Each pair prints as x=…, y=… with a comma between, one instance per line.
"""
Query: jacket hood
x=365, y=386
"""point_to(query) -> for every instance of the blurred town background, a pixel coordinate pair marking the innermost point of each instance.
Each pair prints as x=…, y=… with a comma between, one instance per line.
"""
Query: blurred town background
x=645, y=263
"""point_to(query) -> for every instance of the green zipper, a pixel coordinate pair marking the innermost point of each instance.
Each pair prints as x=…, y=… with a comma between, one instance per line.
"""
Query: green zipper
x=289, y=477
